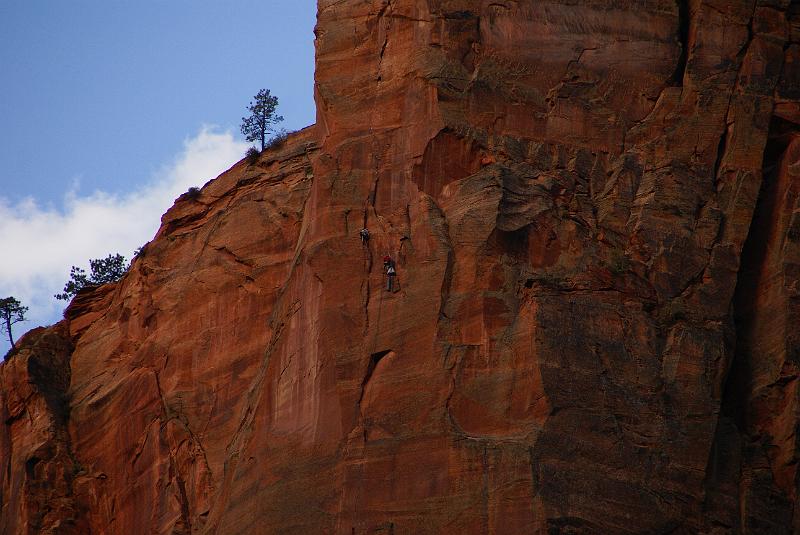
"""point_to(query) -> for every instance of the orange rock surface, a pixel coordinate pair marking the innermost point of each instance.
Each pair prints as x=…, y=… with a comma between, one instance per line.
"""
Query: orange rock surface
x=594, y=212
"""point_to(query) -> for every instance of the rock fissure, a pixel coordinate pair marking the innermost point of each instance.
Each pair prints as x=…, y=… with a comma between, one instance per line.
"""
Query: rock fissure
x=684, y=28
x=372, y=363
x=184, y=526
x=741, y=431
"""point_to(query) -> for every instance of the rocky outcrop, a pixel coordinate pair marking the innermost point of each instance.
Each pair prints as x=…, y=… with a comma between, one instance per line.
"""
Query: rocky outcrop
x=39, y=467
x=593, y=211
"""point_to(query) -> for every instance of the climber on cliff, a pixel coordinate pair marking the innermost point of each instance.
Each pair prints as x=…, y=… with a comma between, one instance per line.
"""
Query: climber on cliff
x=391, y=272
x=364, y=233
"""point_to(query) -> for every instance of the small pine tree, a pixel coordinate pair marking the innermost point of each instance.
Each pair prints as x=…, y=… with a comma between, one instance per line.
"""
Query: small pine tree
x=11, y=312
x=103, y=270
x=262, y=116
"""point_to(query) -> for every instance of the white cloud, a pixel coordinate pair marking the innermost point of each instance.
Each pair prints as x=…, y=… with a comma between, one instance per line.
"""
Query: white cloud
x=39, y=244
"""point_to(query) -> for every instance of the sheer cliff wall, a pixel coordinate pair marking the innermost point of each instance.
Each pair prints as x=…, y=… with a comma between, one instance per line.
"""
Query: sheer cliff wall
x=593, y=208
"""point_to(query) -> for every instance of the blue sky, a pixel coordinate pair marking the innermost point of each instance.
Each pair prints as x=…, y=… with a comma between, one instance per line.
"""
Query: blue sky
x=111, y=107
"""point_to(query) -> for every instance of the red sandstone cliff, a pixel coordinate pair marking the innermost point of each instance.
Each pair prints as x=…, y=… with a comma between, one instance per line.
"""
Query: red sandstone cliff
x=594, y=208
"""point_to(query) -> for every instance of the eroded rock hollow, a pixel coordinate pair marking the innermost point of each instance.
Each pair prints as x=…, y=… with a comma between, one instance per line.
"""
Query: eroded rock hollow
x=593, y=210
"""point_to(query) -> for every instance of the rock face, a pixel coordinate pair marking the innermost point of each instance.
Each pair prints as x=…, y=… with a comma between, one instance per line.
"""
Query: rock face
x=594, y=208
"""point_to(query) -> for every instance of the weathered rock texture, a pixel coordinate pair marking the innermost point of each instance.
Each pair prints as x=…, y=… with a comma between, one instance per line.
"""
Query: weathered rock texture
x=594, y=210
